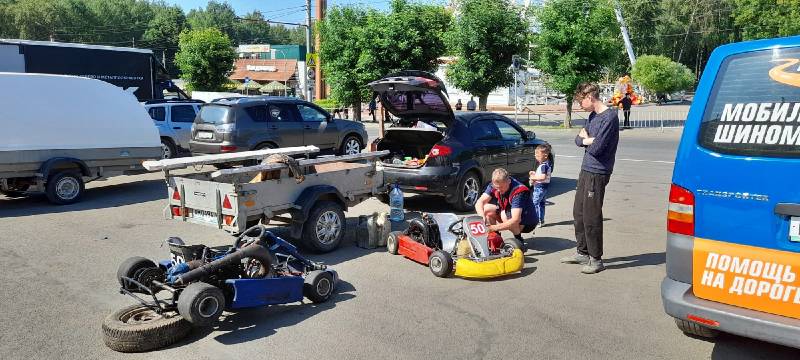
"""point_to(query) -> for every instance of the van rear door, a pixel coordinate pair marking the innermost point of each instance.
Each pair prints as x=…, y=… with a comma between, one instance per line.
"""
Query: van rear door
x=742, y=165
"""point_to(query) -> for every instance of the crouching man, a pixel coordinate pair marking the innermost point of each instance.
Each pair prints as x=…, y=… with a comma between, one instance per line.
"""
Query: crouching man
x=506, y=205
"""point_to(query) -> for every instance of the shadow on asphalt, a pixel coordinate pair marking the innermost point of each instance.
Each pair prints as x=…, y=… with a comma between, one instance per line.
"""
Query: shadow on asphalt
x=567, y=222
x=733, y=347
x=95, y=198
x=560, y=185
x=623, y=262
x=257, y=323
x=548, y=245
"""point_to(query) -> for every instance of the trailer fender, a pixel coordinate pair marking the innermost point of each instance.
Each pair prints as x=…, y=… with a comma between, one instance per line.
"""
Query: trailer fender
x=52, y=166
x=305, y=202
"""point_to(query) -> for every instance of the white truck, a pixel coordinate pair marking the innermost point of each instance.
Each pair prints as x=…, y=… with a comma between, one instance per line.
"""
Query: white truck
x=58, y=132
x=236, y=198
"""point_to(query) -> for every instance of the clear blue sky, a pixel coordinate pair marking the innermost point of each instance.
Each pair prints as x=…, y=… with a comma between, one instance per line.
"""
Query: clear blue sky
x=278, y=10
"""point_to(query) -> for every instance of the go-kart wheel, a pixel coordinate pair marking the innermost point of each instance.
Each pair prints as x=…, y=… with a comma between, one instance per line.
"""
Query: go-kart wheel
x=130, y=267
x=201, y=304
x=441, y=263
x=509, y=245
x=318, y=286
x=393, y=242
x=138, y=328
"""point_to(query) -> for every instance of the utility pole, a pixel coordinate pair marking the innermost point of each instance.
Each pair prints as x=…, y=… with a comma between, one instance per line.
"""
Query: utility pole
x=625, y=36
x=319, y=89
x=306, y=91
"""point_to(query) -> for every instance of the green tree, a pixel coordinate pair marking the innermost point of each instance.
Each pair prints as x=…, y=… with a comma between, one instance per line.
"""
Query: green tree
x=484, y=37
x=253, y=29
x=63, y=20
x=162, y=34
x=760, y=19
x=660, y=75
x=7, y=19
x=575, y=42
x=205, y=58
x=341, y=35
x=119, y=22
x=219, y=15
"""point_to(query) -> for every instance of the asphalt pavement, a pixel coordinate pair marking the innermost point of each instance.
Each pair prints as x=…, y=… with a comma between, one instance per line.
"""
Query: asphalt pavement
x=59, y=263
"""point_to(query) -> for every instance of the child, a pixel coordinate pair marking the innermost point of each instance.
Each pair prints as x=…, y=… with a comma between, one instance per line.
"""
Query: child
x=540, y=180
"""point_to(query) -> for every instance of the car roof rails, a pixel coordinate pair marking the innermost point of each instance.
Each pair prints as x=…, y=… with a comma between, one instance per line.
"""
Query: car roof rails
x=165, y=101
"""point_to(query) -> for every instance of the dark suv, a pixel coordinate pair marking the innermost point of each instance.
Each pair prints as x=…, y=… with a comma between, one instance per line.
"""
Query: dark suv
x=450, y=154
x=253, y=123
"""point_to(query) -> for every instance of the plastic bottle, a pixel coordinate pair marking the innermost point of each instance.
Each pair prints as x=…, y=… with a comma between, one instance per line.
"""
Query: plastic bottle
x=396, y=204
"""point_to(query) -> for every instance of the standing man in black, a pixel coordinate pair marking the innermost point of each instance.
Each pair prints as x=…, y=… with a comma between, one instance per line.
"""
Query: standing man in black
x=599, y=137
x=626, y=110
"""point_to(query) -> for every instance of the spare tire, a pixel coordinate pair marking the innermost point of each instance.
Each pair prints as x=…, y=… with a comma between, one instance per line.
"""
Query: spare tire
x=138, y=328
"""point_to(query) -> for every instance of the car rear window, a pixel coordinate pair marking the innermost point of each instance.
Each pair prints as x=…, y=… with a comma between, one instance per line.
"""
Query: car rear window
x=754, y=105
x=214, y=114
x=416, y=100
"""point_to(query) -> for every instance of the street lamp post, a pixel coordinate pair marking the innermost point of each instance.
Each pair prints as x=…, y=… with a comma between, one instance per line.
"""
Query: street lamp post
x=285, y=83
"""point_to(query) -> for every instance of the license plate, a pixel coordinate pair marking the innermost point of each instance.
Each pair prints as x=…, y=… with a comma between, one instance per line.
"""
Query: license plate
x=205, y=135
x=204, y=216
x=751, y=277
x=794, y=228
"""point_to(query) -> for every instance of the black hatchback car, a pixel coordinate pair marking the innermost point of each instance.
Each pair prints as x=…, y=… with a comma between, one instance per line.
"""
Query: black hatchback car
x=254, y=123
x=435, y=151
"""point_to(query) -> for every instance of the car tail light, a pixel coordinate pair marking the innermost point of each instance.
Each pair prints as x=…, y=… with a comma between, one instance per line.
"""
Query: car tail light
x=704, y=321
x=176, y=195
x=440, y=150
x=373, y=147
x=421, y=188
x=176, y=211
x=226, y=203
x=227, y=148
x=228, y=220
x=680, y=215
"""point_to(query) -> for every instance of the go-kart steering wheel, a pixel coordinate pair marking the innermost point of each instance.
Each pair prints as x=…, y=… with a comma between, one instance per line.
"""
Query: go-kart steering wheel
x=250, y=236
x=452, y=228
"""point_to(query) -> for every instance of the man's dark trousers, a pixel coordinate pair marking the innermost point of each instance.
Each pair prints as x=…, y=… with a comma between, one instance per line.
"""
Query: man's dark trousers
x=627, y=113
x=588, y=213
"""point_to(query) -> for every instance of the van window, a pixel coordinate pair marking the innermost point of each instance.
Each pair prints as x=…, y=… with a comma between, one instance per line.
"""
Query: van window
x=182, y=113
x=754, y=105
x=311, y=114
x=257, y=113
x=157, y=113
x=280, y=113
x=214, y=114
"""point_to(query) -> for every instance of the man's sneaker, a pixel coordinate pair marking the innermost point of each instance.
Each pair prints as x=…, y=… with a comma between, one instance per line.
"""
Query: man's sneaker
x=593, y=267
x=521, y=242
x=541, y=224
x=576, y=258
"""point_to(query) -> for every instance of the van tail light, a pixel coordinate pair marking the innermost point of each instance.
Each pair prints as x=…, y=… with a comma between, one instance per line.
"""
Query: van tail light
x=227, y=148
x=680, y=215
x=228, y=220
x=176, y=211
x=440, y=150
x=176, y=195
x=226, y=203
x=373, y=146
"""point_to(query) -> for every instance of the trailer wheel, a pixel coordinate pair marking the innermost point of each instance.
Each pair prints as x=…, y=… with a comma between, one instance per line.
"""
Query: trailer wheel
x=695, y=329
x=318, y=286
x=393, y=242
x=138, y=328
x=201, y=304
x=325, y=226
x=64, y=188
x=441, y=263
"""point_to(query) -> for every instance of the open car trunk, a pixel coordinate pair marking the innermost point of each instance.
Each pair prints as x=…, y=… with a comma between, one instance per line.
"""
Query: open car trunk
x=405, y=143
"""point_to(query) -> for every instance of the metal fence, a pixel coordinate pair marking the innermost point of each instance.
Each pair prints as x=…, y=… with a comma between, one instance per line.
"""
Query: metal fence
x=661, y=117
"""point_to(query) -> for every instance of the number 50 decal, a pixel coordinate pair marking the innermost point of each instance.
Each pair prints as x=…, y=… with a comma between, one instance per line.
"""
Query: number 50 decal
x=477, y=228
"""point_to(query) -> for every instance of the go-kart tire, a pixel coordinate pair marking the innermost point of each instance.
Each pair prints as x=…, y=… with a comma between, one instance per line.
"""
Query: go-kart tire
x=513, y=243
x=324, y=213
x=130, y=266
x=122, y=332
x=318, y=286
x=201, y=304
x=691, y=328
x=393, y=242
x=440, y=263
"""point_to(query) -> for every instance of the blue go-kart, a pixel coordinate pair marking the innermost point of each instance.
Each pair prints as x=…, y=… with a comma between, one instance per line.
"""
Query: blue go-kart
x=199, y=282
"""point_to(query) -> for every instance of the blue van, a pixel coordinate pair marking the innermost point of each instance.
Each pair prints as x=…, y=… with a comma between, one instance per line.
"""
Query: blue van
x=733, y=246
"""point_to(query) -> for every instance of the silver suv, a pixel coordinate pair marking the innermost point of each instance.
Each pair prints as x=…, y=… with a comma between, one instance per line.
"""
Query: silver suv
x=253, y=123
x=174, y=119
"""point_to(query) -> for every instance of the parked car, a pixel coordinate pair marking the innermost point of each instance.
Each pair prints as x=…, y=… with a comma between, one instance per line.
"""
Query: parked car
x=448, y=154
x=253, y=123
x=174, y=119
x=59, y=131
x=733, y=220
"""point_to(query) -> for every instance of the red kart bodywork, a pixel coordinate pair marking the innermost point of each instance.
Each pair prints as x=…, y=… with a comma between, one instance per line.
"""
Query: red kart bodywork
x=413, y=250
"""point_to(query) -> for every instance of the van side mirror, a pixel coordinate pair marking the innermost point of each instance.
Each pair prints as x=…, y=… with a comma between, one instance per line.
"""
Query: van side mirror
x=530, y=135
